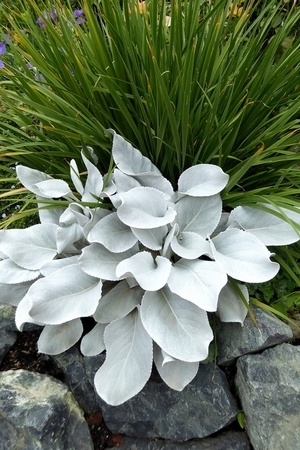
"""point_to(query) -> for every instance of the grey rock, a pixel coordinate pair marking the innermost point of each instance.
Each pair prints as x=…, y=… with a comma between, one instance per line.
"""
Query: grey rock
x=234, y=340
x=7, y=329
x=38, y=412
x=157, y=411
x=8, y=322
x=231, y=440
x=204, y=407
x=269, y=388
x=7, y=317
x=8, y=338
x=78, y=375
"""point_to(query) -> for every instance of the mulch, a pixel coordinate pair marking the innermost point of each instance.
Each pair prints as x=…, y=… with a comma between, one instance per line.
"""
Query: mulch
x=23, y=355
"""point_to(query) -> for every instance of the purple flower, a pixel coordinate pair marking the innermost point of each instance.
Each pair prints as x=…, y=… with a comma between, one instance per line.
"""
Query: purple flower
x=80, y=20
x=53, y=15
x=29, y=65
x=78, y=12
x=2, y=52
x=79, y=16
x=40, y=22
x=2, y=48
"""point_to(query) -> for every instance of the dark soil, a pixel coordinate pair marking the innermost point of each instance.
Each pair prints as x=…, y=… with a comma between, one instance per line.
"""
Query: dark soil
x=23, y=355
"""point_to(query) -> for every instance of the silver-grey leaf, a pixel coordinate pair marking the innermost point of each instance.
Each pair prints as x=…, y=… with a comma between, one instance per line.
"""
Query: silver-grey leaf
x=179, y=327
x=128, y=362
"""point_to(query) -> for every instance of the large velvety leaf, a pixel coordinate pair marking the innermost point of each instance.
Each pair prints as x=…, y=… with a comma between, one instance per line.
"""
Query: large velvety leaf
x=152, y=239
x=175, y=373
x=268, y=228
x=118, y=302
x=124, y=182
x=130, y=160
x=68, y=217
x=64, y=295
x=75, y=213
x=30, y=177
x=243, y=256
x=128, y=362
x=92, y=343
x=92, y=154
x=223, y=224
x=199, y=215
x=75, y=177
x=109, y=187
x=151, y=274
x=190, y=245
x=22, y=313
x=13, y=293
x=198, y=281
x=179, y=327
x=57, y=264
x=48, y=214
x=231, y=307
x=113, y=234
x=11, y=273
x=202, y=180
x=99, y=262
x=145, y=208
x=166, y=250
x=52, y=188
x=55, y=339
x=96, y=214
x=41, y=184
x=156, y=181
x=67, y=236
x=31, y=247
x=94, y=182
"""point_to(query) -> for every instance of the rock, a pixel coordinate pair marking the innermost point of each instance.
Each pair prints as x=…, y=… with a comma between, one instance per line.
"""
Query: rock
x=8, y=338
x=232, y=440
x=7, y=329
x=269, y=388
x=204, y=407
x=7, y=317
x=38, y=412
x=78, y=375
x=157, y=411
x=234, y=340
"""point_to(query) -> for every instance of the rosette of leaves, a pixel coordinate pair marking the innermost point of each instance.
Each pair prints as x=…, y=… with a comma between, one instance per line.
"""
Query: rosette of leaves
x=146, y=262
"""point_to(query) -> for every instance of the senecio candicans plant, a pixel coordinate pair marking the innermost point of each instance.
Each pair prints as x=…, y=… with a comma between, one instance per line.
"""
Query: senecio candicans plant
x=146, y=262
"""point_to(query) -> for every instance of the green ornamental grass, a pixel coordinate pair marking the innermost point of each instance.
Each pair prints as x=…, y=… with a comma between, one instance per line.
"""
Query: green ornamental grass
x=186, y=82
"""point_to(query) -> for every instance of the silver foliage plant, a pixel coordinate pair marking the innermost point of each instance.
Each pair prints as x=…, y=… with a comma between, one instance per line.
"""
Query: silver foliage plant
x=147, y=269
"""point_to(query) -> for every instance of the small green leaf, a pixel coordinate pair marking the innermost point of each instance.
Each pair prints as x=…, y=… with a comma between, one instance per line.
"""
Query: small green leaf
x=277, y=21
x=240, y=417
